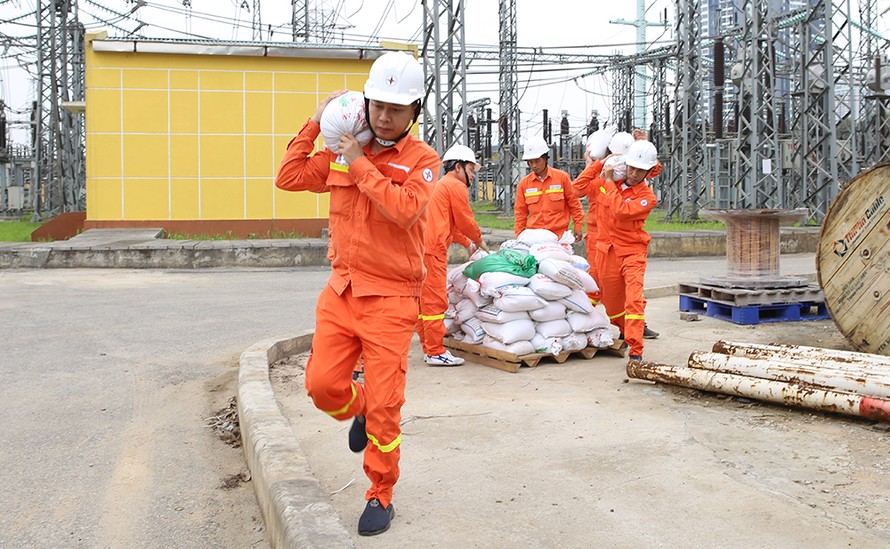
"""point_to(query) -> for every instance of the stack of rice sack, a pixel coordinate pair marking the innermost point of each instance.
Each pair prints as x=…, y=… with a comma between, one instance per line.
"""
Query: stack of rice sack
x=529, y=297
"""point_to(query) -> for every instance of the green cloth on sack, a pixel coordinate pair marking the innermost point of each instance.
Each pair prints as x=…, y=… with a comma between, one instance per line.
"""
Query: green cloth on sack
x=504, y=261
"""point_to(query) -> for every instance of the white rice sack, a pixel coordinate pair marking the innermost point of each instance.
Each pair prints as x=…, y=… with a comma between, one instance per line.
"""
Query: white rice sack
x=472, y=329
x=619, y=168
x=454, y=296
x=472, y=292
x=345, y=114
x=490, y=313
x=578, y=301
x=585, y=322
x=574, y=342
x=587, y=282
x=510, y=332
x=562, y=272
x=554, y=328
x=546, y=250
x=457, y=278
x=459, y=335
x=519, y=348
x=567, y=239
x=465, y=309
x=493, y=282
x=451, y=326
x=519, y=298
x=451, y=312
x=478, y=254
x=514, y=245
x=579, y=262
x=554, y=310
x=600, y=338
x=549, y=345
x=548, y=288
x=533, y=236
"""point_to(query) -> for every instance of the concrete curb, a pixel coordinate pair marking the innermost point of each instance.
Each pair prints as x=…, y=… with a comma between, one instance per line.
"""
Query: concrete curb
x=296, y=510
x=115, y=249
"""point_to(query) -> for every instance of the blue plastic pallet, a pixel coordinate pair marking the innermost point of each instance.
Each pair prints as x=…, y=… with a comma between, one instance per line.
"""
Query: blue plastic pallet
x=755, y=314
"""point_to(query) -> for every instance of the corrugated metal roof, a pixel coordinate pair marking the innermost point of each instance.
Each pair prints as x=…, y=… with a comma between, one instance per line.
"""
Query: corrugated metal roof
x=238, y=48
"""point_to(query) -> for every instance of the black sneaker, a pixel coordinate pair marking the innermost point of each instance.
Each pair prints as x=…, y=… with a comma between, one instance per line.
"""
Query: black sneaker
x=649, y=333
x=358, y=437
x=634, y=358
x=375, y=519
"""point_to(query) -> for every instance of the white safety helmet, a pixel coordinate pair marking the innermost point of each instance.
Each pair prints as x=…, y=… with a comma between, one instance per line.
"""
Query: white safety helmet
x=535, y=147
x=395, y=77
x=461, y=153
x=620, y=142
x=642, y=155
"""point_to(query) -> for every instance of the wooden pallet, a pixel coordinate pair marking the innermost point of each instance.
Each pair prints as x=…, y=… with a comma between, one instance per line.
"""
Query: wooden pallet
x=742, y=297
x=509, y=362
x=755, y=314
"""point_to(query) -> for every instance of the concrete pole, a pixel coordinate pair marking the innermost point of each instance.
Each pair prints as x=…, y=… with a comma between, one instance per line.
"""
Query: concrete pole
x=800, y=353
x=789, y=394
x=870, y=382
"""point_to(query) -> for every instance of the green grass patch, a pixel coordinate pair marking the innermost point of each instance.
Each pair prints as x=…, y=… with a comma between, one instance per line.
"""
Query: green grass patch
x=656, y=222
x=488, y=216
x=17, y=231
x=230, y=235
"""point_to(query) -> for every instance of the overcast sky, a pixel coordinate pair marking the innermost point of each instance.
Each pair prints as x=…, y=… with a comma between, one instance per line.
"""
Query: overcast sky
x=570, y=26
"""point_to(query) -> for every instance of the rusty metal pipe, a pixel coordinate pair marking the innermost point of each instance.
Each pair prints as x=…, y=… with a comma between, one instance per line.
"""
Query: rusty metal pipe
x=865, y=382
x=800, y=353
x=779, y=392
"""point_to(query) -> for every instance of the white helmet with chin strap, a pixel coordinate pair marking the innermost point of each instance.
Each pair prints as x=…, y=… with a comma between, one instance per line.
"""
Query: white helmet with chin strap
x=535, y=147
x=641, y=155
x=461, y=153
x=397, y=78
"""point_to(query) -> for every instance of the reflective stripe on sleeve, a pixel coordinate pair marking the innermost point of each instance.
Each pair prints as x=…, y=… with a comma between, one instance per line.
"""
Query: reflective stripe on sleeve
x=339, y=167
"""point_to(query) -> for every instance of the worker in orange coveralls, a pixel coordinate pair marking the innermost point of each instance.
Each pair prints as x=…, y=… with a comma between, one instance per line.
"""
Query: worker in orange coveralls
x=449, y=219
x=544, y=198
x=370, y=304
x=589, y=179
x=623, y=258
x=599, y=220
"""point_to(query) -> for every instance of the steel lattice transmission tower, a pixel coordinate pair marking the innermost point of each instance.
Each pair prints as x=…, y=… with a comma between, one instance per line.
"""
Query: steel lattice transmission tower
x=623, y=76
x=257, y=21
x=688, y=168
x=875, y=107
x=313, y=23
x=757, y=175
x=58, y=138
x=817, y=164
x=508, y=120
x=445, y=71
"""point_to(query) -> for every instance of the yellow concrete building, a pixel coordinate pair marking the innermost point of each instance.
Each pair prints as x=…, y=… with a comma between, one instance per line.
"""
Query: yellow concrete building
x=188, y=136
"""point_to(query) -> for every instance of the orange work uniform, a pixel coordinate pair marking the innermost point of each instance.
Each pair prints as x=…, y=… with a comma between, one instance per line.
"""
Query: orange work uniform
x=588, y=184
x=449, y=219
x=369, y=305
x=622, y=258
x=547, y=204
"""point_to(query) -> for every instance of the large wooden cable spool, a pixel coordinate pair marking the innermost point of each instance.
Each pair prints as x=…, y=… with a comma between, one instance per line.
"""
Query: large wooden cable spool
x=853, y=260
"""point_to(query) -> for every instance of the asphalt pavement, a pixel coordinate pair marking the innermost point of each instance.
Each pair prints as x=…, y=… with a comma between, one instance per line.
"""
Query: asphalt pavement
x=109, y=377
